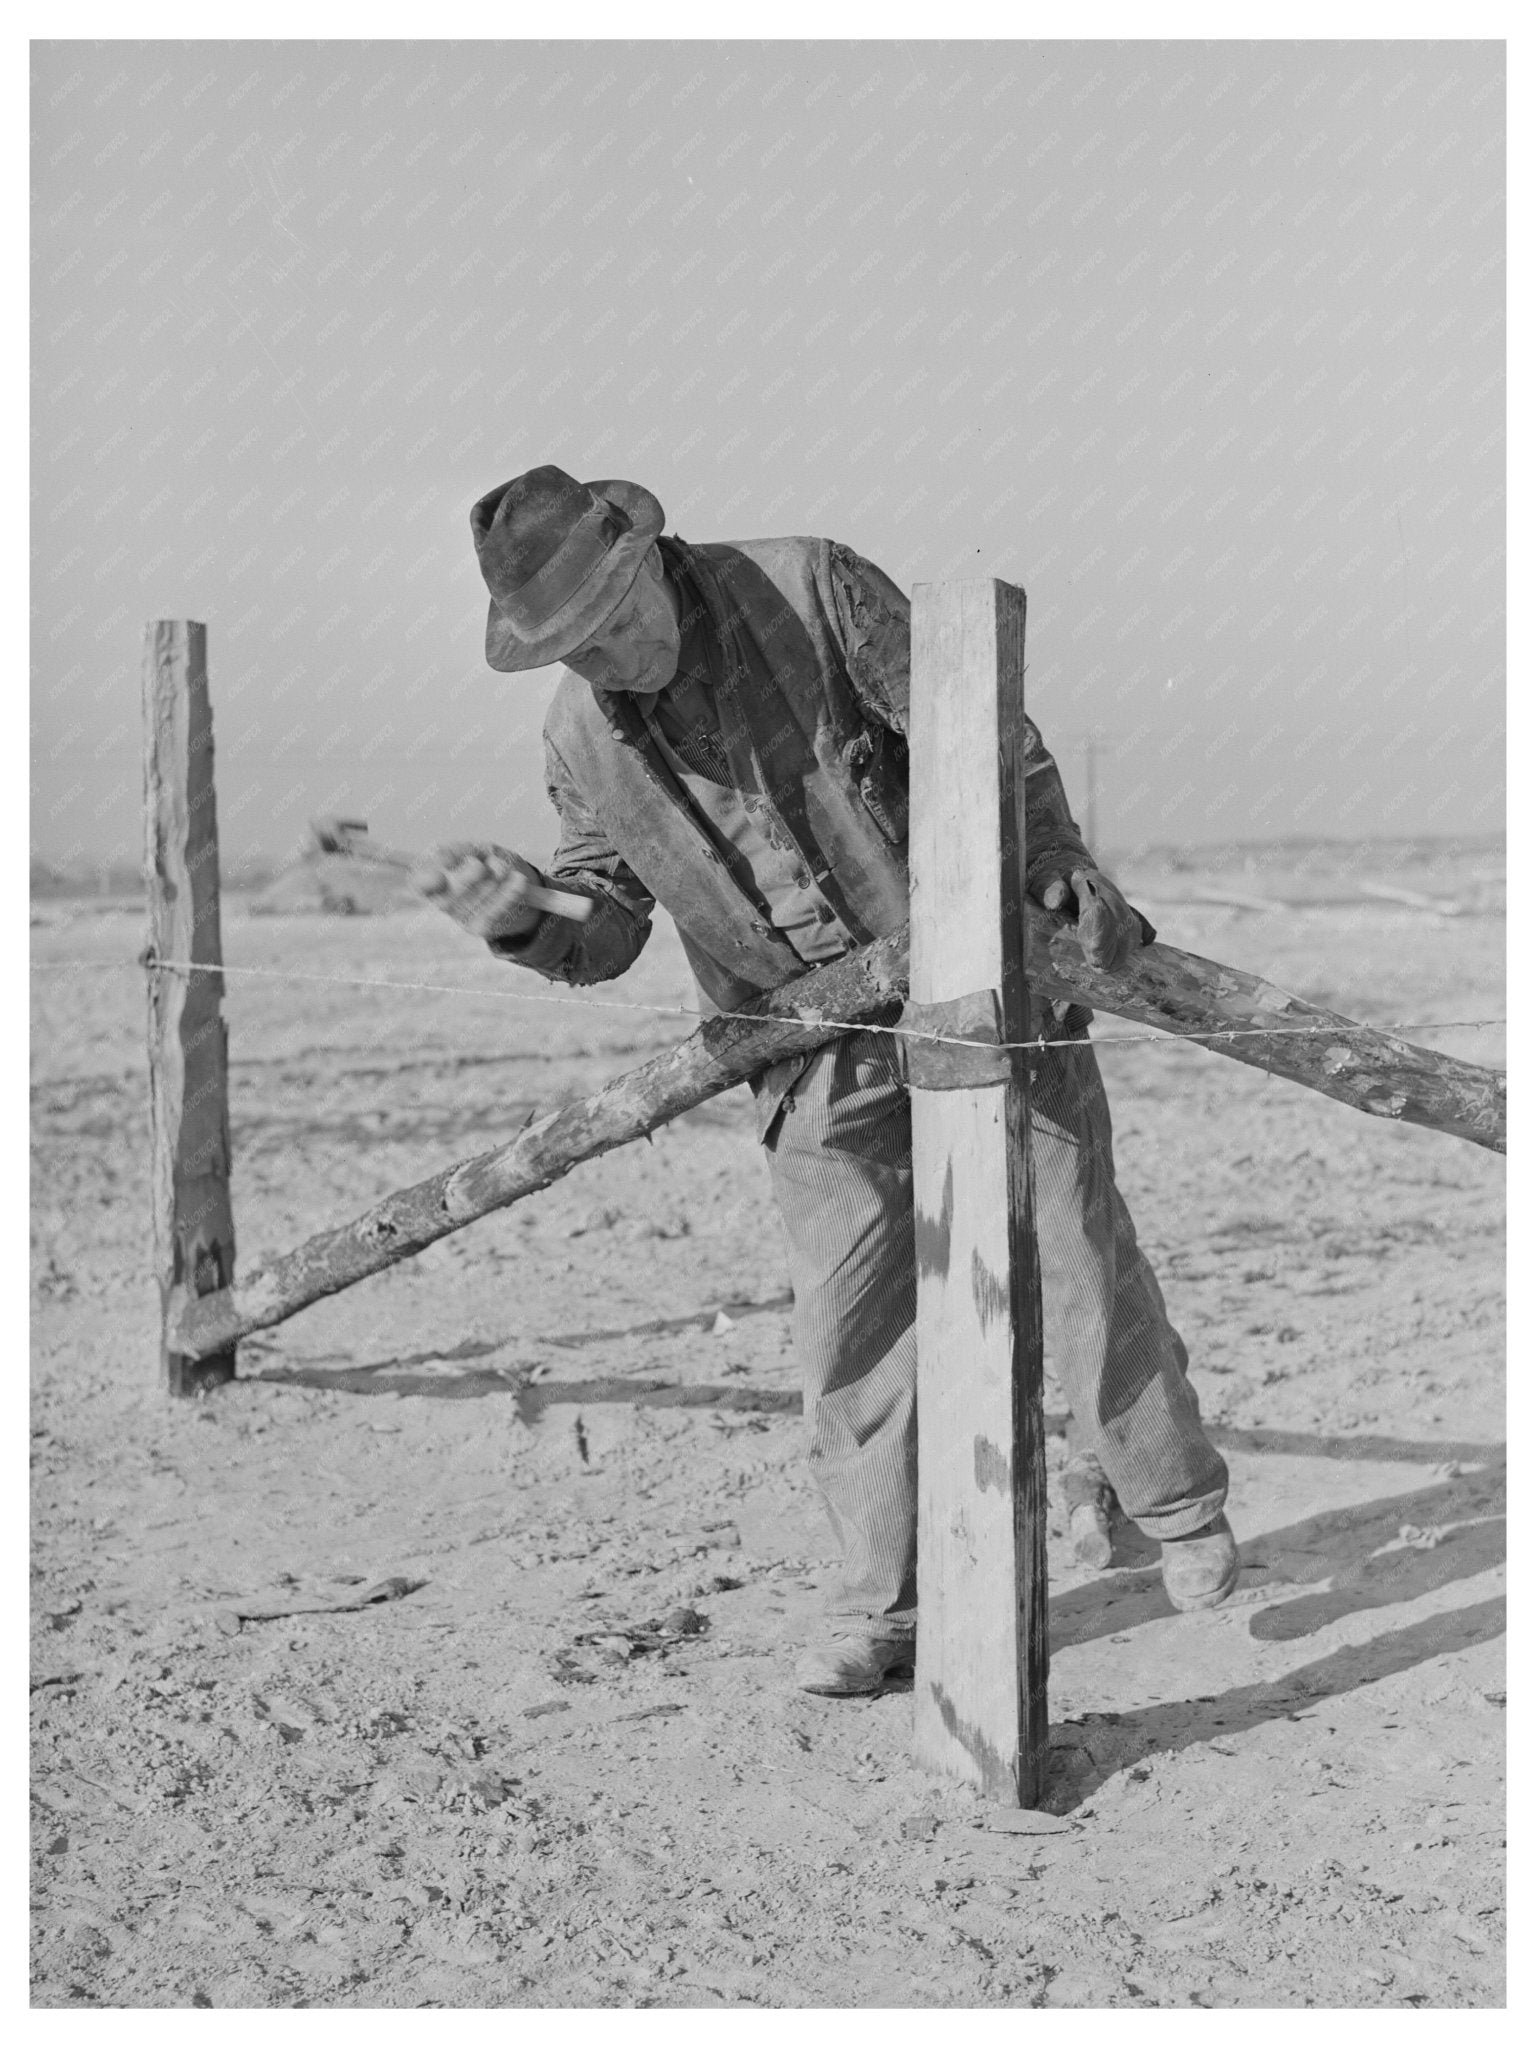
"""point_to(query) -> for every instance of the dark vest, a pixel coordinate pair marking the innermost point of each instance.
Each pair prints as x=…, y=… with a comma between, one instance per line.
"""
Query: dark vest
x=834, y=780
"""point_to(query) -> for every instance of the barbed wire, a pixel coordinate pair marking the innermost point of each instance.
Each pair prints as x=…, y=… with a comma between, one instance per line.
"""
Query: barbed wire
x=595, y=1007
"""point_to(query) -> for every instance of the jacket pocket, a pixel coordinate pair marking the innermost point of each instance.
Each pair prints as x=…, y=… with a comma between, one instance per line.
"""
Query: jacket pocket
x=877, y=760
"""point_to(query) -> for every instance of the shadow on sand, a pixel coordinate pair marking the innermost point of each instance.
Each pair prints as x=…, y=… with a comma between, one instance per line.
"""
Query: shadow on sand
x=395, y=1376
x=1439, y=1534
x=1101, y=1745
x=1452, y=1530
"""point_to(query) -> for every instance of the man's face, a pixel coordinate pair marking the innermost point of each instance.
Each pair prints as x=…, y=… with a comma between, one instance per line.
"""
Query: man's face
x=638, y=644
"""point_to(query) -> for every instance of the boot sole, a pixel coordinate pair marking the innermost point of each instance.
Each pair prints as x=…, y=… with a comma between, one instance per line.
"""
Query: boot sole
x=850, y=1692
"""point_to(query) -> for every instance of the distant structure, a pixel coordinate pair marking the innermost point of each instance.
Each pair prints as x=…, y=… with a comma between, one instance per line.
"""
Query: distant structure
x=320, y=882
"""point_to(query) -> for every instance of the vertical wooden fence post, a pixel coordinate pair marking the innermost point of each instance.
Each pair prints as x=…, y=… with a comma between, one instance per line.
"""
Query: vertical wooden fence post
x=982, y=1651
x=188, y=1048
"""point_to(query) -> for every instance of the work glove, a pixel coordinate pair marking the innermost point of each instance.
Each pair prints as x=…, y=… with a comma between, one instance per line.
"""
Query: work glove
x=1108, y=929
x=480, y=887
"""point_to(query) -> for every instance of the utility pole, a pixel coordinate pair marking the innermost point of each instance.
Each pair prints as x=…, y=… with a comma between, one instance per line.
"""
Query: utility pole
x=1091, y=790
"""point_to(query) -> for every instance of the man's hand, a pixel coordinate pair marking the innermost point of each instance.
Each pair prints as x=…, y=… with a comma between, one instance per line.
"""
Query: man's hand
x=481, y=887
x=1108, y=929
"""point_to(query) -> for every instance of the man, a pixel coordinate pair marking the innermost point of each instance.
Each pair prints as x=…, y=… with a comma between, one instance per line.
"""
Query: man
x=729, y=742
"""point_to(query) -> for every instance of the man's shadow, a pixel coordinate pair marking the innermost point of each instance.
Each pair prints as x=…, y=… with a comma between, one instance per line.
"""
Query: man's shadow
x=1441, y=1533
x=1105, y=1744
x=1339, y=1545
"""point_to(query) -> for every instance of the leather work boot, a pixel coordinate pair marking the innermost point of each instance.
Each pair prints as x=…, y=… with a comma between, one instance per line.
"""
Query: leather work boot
x=1200, y=1570
x=853, y=1664
x=1089, y=1530
x=1090, y=1502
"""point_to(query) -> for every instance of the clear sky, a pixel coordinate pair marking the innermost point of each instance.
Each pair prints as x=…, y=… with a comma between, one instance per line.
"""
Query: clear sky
x=1200, y=343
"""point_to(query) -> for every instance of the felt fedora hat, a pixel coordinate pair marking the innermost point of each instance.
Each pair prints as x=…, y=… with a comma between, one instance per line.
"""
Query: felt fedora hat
x=557, y=557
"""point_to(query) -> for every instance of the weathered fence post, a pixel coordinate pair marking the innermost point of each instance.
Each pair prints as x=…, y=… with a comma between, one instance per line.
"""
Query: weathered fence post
x=982, y=1649
x=188, y=1050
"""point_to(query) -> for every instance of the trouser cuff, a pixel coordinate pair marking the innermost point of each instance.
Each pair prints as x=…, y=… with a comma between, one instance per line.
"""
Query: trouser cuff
x=1186, y=1518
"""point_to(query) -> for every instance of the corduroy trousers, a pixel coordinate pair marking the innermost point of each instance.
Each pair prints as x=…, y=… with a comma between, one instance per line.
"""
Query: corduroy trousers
x=840, y=1159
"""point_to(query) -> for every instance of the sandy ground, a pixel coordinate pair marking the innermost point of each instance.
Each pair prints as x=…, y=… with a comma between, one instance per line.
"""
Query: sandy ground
x=538, y=1780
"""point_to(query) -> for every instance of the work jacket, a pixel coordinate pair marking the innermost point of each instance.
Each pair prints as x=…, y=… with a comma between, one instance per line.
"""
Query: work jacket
x=808, y=660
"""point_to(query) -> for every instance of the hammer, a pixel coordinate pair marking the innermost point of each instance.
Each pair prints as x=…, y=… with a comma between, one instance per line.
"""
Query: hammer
x=349, y=837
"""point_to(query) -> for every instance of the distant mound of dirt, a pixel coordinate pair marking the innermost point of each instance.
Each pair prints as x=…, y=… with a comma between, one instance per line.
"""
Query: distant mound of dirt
x=329, y=884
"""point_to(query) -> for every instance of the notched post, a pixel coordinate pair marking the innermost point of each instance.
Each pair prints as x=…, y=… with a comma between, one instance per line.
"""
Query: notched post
x=979, y=1713
x=194, y=1232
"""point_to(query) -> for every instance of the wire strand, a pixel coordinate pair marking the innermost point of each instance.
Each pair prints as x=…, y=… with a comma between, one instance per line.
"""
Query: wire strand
x=595, y=1006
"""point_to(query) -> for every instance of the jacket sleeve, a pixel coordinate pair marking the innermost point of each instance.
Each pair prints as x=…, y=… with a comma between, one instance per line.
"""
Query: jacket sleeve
x=875, y=623
x=585, y=863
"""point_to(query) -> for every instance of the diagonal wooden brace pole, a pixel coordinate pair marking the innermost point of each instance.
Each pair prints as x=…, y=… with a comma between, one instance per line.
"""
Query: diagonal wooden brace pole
x=1175, y=991
x=1185, y=995
x=723, y=1052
